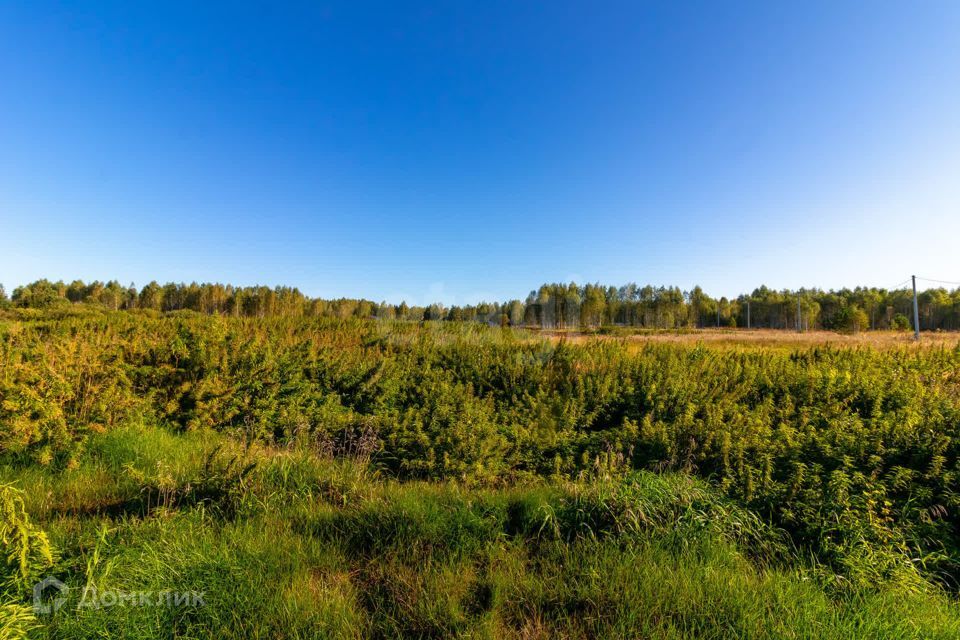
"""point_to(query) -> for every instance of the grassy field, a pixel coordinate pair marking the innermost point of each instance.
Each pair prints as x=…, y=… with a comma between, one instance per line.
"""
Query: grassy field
x=308, y=547
x=189, y=476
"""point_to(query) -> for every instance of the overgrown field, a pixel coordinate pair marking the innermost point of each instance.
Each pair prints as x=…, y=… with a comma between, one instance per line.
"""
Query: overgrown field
x=322, y=478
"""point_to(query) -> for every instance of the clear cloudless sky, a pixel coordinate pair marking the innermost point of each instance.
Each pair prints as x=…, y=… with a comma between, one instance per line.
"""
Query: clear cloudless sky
x=466, y=150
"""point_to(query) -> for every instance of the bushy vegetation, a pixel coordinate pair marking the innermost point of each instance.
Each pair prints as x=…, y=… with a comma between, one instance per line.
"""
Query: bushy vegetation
x=353, y=478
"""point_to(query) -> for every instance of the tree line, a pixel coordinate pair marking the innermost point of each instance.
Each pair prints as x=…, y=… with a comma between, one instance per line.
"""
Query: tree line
x=552, y=306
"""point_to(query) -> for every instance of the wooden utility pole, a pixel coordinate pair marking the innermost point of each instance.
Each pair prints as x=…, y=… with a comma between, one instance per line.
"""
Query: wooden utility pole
x=748, y=313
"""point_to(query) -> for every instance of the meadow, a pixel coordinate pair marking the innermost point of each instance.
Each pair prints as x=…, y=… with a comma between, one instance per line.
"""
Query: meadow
x=315, y=477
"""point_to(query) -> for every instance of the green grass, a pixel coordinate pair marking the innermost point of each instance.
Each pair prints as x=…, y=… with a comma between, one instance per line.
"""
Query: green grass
x=286, y=543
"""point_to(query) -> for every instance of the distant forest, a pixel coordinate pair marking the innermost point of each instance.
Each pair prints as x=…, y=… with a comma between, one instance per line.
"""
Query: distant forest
x=552, y=306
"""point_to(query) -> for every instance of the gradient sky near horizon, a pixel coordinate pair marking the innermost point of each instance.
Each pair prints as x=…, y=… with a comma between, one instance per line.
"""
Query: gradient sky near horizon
x=467, y=150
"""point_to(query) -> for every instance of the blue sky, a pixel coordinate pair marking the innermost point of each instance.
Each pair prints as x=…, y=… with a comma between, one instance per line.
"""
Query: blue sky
x=472, y=150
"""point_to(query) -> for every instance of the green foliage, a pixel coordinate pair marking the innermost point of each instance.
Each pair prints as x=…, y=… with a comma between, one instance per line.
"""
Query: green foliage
x=27, y=555
x=851, y=319
x=16, y=621
x=26, y=550
x=218, y=486
x=854, y=453
x=40, y=295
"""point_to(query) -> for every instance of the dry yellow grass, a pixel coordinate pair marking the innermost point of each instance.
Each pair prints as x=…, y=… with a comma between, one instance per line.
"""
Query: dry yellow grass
x=774, y=338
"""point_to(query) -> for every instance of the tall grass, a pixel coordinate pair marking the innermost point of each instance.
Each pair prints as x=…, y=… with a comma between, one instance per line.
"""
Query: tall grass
x=316, y=547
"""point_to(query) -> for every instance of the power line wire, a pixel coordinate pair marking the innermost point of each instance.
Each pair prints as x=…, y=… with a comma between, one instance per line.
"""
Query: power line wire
x=939, y=281
x=900, y=286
